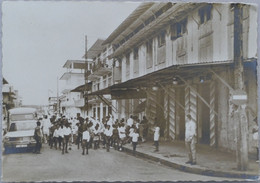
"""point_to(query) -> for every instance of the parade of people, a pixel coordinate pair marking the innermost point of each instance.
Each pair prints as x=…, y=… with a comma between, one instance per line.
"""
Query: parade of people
x=70, y=133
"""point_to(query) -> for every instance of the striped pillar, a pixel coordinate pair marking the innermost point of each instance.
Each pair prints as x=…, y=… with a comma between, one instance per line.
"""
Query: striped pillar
x=166, y=111
x=151, y=105
x=172, y=119
x=190, y=103
x=212, y=114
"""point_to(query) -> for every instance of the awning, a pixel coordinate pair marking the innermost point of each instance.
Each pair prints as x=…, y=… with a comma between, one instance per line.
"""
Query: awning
x=82, y=88
x=164, y=76
x=140, y=108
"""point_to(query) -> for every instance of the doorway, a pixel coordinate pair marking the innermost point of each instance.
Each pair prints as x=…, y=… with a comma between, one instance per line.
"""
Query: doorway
x=203, y=122
x=180, y=113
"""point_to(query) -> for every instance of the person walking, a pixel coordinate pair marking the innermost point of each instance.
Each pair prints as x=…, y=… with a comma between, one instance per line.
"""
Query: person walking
x=156, y=136
x=255, y=138
x=85, y=140
x=122, y=135
x=96, y=137
x=135, y=137
x=66, y=133
x=46, y=128
x=108, y=134
x=61, y=135
x=38, y=138
x=190, y=140
x=56, y=135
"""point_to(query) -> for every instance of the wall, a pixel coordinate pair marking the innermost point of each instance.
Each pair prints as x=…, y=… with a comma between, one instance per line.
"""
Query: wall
x=216, y=35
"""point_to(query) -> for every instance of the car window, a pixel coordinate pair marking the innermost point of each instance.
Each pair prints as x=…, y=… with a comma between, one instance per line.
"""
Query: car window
x=13, y=127
x=20, y=126
x=22, y=117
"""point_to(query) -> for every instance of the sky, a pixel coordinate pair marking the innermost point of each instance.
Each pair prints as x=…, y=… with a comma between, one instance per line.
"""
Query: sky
x=38, y=37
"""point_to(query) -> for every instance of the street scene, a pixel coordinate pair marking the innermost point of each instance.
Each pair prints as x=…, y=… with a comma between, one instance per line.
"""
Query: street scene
x=129, y=91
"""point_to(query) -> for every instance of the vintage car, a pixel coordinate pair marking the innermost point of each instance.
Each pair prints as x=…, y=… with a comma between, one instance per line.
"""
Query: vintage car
x=20, y=130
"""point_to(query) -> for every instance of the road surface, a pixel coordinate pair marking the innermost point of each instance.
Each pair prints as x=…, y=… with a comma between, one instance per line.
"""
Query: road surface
x=99, y=165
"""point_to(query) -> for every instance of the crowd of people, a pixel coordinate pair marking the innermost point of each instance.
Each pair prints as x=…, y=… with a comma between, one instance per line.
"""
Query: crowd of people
x=61, y=132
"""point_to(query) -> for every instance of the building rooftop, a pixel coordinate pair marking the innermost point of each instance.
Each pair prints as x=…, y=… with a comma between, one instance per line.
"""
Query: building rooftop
x=95, y=49
x=129, y=20
x=77, y=64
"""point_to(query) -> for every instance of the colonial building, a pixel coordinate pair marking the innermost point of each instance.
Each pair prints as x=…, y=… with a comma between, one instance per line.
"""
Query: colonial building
x=101, y=77
x=179, y=58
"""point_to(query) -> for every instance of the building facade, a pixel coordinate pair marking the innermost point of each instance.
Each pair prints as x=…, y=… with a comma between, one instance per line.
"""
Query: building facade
x=100, y=75
x=70, y=102
x=179, y=58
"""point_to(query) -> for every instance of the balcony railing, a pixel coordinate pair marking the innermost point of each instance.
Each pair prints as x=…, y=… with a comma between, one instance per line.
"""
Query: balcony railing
x=101, y=68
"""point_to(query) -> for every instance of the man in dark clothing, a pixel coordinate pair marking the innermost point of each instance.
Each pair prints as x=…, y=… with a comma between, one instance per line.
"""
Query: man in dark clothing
x=144, y=122
x=80, y=132
x=38, y=138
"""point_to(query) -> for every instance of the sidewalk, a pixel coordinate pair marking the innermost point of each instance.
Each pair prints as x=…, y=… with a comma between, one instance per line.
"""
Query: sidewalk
x=210, y=161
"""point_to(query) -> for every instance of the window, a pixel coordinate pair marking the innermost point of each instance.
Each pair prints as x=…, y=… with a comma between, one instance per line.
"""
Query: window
x=178, y=29
x=135, y=53
x=205, y=14
x=127, y=65
x=149, y=54
x=161, y=39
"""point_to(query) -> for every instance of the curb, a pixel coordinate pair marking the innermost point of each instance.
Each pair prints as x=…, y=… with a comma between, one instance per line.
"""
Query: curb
x=195, y=170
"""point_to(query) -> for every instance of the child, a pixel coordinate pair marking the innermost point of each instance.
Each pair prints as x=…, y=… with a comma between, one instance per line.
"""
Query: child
x=108, y=134
x=122, y=135
x=156, y=137
x=115, y=137
x=96, y=136
x=55, y=136
x=85, y=140
x=135, y=136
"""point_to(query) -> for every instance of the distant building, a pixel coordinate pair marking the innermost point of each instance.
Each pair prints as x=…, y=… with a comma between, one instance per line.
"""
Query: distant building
x=52, y=104
x=72, y=102
x=9, y=95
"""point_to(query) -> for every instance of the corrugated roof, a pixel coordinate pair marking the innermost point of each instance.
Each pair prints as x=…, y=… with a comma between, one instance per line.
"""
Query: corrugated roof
x=174, y=14
x=139, y=21
x=95, y=49
x=128, y=21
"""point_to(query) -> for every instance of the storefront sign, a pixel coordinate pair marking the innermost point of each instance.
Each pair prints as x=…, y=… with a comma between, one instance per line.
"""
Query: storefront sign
x=239, y=97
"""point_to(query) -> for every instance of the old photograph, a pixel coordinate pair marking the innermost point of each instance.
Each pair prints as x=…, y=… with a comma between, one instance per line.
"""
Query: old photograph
x=129, y=91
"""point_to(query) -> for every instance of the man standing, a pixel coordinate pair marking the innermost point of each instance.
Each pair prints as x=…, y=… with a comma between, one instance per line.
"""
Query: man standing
x=66, y=133
x=38, y=138
x=46, y=126
x=190, y=141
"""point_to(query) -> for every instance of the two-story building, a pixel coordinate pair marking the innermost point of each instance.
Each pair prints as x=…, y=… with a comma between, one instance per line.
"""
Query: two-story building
x=179, y=58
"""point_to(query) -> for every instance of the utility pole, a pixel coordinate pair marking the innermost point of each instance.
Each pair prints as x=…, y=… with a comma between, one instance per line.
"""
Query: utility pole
x=58, y=103
x=86, y=77
x=240, y=113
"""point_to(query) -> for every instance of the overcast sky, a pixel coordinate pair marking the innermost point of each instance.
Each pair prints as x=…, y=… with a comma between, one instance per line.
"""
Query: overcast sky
x=38, y=38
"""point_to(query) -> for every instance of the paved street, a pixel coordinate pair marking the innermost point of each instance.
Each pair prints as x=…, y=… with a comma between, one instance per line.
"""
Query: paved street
x=97, y=166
